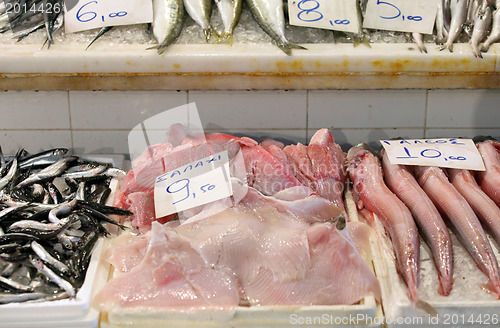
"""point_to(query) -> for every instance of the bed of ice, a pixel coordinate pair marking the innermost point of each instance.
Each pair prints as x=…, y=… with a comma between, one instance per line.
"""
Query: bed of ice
x=246, y=32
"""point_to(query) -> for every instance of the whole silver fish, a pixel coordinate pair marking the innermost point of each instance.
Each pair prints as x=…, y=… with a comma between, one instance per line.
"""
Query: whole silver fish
x=49, y=172
x=92, y=172
x=49, y=259
x=168, y=19
x=482, y=23
x=495, y=32
x=230, y=12
x=201, y=11
x=22, y=297
x=52, y=276
x=401, y=181
x=458, y=18
x=419, y=40
x=271, y=18
x=14, y=285
x=470, y=232
x=440, y=29
x=61, y=209
x=10, y=174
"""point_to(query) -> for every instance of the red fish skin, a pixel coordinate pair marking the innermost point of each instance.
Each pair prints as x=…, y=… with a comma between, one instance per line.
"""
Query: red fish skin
x=489, y=180
x=401, y=181
x=484, y=207
x=371, y=194
x=454, y=206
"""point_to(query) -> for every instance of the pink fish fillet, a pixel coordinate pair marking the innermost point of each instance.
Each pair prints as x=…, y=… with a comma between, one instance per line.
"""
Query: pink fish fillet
x=484, y=207
x=454, y=206
x=402, y=182
x=489, y=180
x=371, y=194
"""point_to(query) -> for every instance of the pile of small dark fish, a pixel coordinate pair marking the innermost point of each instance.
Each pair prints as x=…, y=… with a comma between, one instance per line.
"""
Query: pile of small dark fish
x=52, y=213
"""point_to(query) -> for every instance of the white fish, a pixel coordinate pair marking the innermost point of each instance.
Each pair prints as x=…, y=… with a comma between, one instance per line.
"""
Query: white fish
x=495, y=31
x=168, y=19
x=458, y=18
x=200, y=11
x=482, y=23
x=230, y=12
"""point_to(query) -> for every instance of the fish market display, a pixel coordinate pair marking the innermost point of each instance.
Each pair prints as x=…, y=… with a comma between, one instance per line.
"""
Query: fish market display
x=277, y=243
x=52, y=213
x=472, y=21
x=400, y=179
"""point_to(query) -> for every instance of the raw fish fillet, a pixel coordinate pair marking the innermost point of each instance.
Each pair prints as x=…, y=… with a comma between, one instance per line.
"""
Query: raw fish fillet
x=373, y=197
x=172, y=274
x=142, y=205
x=489, y=180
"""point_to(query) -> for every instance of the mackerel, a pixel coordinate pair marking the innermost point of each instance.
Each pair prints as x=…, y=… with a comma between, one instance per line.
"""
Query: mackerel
x=168, y=19
x=230, y=11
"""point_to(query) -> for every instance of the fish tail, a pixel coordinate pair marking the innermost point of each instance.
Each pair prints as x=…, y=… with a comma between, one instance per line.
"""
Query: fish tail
x=426, y=307
x=225, y=36
x=209, y=33
x=287, y=47
x=361, y=39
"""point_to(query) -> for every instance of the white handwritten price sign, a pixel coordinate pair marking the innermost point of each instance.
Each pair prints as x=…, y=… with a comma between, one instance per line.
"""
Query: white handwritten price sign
x=82, y=15
x=326, y=14
x=452, y=153
x=401, y=15
x=198, y=183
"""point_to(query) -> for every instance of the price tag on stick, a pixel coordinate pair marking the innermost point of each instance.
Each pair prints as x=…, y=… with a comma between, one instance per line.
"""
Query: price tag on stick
x=452, y=153
x=198, y=183
x=401, y=15
x=82, y=15
x=327, y=14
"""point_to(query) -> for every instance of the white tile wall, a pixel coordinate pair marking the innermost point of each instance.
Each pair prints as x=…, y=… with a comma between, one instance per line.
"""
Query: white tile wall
x=99, y=122
x=467, y=108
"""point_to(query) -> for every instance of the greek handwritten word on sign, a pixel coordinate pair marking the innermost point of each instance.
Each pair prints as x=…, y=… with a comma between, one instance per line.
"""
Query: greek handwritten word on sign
x=452, y=153
x=326, y=14
x=401, y=15
x=90, y=14
x=198, y=183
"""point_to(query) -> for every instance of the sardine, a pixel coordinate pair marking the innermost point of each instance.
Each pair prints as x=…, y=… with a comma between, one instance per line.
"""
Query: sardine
x=271, y=18
x=489, y=180
x=482, y=23
x=201, y=11
x=372, y=196
x=470, y=232
x=49, y=172
x=483, y=206
x=400, y=180
x=230, y=12
x=494, y=35
x=168, y=19
x=458, y=17
x=52, y=276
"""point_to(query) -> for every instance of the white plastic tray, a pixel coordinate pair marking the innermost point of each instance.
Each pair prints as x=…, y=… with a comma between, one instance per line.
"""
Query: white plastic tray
x=74, y=312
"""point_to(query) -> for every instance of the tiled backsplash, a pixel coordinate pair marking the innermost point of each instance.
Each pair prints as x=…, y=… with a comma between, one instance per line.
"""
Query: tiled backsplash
x=99, y=122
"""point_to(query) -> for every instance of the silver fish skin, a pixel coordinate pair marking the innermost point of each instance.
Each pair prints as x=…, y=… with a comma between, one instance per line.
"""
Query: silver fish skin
x=489, y=180
x=419, y=40
x=441, y=31
x=372, y=196
x=483, y=206
x=482, y=23
x=14, y=285
x=458, y=18
x=271, y=18
x=447, y=14
x=401, y=181
x=48, y=172
x=49, y=259
x=61, y=209
x=18, y=298
x=51, y=153
x=454, y=206
x=230, y=12
x=201, y=11
x=10, y=174
x=494, y=35
x=168, y=19
x=86, y=173
x=52, y=276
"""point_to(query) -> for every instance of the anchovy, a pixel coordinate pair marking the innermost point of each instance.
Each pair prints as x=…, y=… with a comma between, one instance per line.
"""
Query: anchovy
x=459, y=15
x=271, y=18
x=106, y=209
x=32, y=224
x=80, y=192
x=34, y=158
x=101, y=216
x=14, y=286
x=201, y=11
x=54, y=193
x=49, y=259
x=17, y=298
x=67, y=241
x=10, y=174
x=49, y=172
x=449, y=201
x=2, y=161
x=115, y=173
x=401, y=181
x=230, y=12
x=61, y=209
x=9, y=269
x=373, y=196
x=168, y=19
x=44, y=234
x=495, y=31
x=52, y=276
x=102, y=31
x=86, y=173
